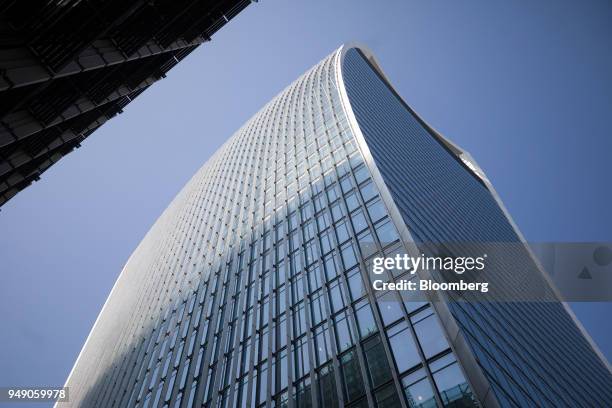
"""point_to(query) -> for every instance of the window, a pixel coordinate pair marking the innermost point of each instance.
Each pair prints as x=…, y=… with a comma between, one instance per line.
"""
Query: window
x=323, y=220
x=319, y=201
x=317, y=308
x=331, y=266
x=403, y=348
x=378, y=368
x=377, y=210
x=346, y=184
x=344, y=331
x=342, y=232
x=351, y=376
x=282, y=330
x=452, y=386
x=301, y=357
x=264, y=343
x=359, y=221
x=310, y=252
x=263, y=385
x=314, y=278
x=429, y=333
x=365, y=318
x=322, y=344
x=336, y=298
x=332, y=193
x=337, y=211
x=361, y=174
x=355, y=284
x=306, y=211
x=282, y=369
x=352, y=201
x=294, y=240
x=299, y=320
x=327, y=386
x=281, y=271
x=326, y=242
x=387, y=397
x=390, y=308
x=309, y=230
x=412, y=299
x=366, y=244
x=386, y=233
x=368, y=191
x=417, y=390
x=265, y=311
x=281, y=300
x=348, y=256
x=302, y=394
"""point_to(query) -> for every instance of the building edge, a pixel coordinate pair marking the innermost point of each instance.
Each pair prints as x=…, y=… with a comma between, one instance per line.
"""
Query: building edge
x=470, y=367
x=474, y=374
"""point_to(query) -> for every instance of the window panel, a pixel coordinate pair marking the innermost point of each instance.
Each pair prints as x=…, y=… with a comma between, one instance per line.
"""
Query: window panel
x=317, y=307
x=327, y=388
x=430, y=336
x=351, y=376
x=418, y=390
x=376, y=359
x=322, y=344
x=355, y=283
x=359, y=221
x=387, y=233
x=368, y=191
x=348, y=256
x=365, y=319
x=367, y=244
x=403, y=347
x=303, y=398
x=352, y=202
x=336, y=296
x=386, y=397
x=453, y=388
x=390, y=308
x=344, y=331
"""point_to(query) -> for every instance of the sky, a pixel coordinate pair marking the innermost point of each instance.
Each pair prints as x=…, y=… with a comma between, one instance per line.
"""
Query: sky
x=523, y=86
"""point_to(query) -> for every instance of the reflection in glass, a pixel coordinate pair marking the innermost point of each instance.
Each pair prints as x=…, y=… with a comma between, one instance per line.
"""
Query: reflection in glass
x=418, y=391
x=390, y=309
x=430, y=336
x=365, y=319
x=351, y=375
x=378, y=368
x=387, y=397
x=403, y=347
x=453, y=388
x=328, y=396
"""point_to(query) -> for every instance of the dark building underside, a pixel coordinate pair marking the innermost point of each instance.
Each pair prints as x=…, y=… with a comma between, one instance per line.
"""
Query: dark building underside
x=67, y=66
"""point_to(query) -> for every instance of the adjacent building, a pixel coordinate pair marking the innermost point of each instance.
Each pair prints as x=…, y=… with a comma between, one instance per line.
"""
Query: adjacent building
x=67, y=66
x=253, y=287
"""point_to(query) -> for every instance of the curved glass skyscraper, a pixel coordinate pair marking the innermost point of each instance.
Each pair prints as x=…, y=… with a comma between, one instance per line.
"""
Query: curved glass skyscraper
x=253, y=287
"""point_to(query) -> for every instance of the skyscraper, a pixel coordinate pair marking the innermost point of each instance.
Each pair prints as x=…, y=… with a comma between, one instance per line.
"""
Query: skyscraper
x=253, y=287
x=68, y=66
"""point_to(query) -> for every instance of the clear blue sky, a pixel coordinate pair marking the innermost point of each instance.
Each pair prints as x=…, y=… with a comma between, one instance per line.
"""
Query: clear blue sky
x=524, y=86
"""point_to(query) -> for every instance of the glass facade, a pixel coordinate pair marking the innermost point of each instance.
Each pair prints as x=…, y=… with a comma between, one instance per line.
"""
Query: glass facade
x=252, y=289
x=532, y=353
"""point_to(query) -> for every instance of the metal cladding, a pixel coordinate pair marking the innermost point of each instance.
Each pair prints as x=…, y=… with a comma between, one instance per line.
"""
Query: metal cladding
x=67, y=66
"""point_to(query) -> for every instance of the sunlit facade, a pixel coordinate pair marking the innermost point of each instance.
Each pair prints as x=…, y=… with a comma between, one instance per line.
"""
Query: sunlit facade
x=252, y=289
